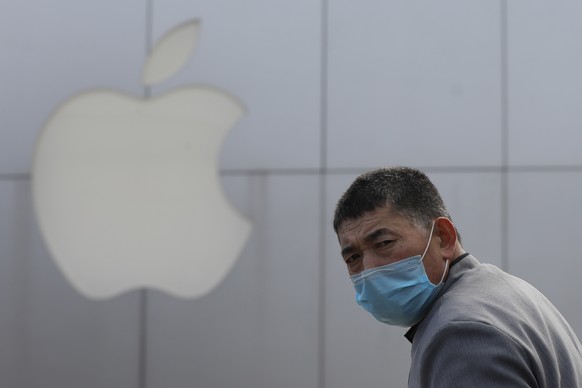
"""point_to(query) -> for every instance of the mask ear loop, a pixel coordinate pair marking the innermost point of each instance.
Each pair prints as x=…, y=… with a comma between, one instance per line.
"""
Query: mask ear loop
x=426, y=250
x=429, y=240
x=445, y=271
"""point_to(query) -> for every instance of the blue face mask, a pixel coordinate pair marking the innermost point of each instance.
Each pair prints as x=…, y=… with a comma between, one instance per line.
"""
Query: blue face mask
x=399, y=293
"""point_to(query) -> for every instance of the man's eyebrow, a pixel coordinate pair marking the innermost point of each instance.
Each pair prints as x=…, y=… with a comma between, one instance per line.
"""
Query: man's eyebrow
x=377, y=233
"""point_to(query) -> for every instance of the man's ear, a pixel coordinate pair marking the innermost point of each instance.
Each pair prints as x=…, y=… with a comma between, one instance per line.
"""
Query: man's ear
x=447, y=234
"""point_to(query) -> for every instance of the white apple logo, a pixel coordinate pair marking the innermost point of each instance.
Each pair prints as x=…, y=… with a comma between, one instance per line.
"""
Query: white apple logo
x=126, y=190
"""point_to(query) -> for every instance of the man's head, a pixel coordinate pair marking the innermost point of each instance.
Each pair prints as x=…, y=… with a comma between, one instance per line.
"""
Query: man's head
x=386, y=215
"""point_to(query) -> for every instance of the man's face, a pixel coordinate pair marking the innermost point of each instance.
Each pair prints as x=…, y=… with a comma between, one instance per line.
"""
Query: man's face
x=383, y=236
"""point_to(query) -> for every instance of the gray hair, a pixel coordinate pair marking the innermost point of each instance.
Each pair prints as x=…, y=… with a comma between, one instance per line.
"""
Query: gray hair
x=408, y=191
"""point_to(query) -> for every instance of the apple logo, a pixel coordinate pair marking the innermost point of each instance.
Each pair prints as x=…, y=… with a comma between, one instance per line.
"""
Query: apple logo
x=126, y=191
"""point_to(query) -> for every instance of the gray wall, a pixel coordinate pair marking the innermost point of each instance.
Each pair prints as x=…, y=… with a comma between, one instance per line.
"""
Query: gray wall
x=483, y=95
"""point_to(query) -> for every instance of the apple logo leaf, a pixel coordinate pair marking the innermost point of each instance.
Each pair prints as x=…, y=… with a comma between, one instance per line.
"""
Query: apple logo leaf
x=171, y=53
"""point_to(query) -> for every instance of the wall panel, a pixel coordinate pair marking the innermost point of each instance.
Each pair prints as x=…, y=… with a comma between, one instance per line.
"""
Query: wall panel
x=414, y=83
x=14, y=247
x=544, y=237
x=267, y=54
x=259, y=328
x=52, y=50
x=545, y=87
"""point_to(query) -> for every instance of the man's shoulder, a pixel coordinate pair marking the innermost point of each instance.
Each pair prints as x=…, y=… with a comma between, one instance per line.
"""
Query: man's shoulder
x=485, y=312
x=486, y=295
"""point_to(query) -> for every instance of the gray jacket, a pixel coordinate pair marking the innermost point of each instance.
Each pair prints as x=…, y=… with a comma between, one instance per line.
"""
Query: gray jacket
x=490, y=329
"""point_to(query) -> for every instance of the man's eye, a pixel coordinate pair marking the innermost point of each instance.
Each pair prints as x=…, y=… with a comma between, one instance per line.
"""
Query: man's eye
x=350, y=260
x=384, y=243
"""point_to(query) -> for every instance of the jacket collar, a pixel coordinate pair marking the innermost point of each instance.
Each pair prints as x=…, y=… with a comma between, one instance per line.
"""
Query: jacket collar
x=454, y=275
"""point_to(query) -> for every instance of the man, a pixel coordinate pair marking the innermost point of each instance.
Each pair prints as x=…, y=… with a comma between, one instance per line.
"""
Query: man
x=471, y=324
